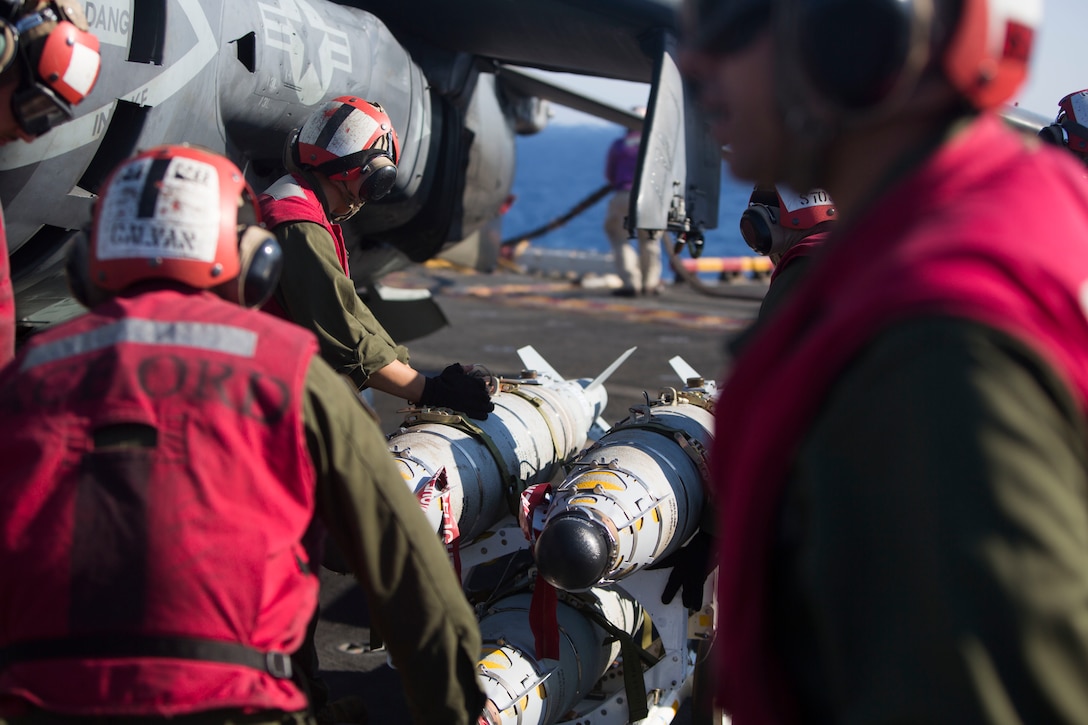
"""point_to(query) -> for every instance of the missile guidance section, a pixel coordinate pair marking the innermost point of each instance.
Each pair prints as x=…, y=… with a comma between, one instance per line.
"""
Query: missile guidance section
x=633, y=498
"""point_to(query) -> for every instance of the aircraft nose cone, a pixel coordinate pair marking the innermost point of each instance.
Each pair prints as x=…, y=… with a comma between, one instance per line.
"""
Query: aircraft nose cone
x=573, y=553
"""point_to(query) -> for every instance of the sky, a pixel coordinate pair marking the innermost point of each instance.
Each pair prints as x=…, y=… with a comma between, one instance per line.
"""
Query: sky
x=1059, y=67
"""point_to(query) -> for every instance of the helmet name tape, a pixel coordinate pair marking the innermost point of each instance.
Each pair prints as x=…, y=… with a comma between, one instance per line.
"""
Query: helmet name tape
x=167, y=208
x=793, y=201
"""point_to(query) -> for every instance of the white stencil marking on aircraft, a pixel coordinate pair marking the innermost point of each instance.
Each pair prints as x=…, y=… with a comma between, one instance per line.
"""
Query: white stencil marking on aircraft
x=110, y=20
x=310, y=80
x=86, y=129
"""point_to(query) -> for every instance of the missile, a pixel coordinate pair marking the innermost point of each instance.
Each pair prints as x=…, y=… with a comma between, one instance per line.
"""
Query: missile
x=467, y=474
x=634, y=497
x=656, y=460
x=528, y=691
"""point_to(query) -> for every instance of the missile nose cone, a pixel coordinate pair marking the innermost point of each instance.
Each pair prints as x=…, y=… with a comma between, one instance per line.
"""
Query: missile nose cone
x=573, y=553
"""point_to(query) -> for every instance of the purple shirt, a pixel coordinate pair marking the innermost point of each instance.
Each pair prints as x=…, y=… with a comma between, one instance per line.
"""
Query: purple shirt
x=623, y=161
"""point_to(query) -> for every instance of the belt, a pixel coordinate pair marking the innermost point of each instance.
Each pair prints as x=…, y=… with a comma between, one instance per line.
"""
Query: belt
x=277, y=664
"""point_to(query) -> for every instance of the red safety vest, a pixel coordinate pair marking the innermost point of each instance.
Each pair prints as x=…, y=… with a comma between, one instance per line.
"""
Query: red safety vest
x=7, y=301
x=985, y=230
x=810, y=246
x=156, y=580
x=292, y=200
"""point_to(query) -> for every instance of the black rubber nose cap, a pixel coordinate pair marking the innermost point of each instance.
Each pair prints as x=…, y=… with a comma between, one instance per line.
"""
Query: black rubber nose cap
x=572, y=553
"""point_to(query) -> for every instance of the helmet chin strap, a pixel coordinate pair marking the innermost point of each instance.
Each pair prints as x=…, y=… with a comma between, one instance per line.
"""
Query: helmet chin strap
x=353, y=201
x=792, y=237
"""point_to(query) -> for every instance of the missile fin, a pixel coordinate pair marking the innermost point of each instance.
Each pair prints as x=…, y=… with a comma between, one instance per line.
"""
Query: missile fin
x=683, y=369
x=599, y=380
x=533, y=360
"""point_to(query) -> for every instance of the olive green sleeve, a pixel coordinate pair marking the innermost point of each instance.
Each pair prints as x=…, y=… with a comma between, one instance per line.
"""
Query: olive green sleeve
x=414, y=596
x=939, y=524
x=317, y=294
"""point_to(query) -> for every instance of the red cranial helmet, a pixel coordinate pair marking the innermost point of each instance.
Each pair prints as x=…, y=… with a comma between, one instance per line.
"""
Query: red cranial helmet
x=181, y=214
x=346, y=138
x=859, y=58
x=1070, y=128
x=773, y=212
x=60, y=64
x=987, y=58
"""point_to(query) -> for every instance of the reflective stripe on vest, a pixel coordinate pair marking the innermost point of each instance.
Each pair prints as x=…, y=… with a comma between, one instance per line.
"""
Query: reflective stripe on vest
x=198, y=335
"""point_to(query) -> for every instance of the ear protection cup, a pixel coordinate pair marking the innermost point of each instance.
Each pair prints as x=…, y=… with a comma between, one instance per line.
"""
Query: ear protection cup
x=377, y=169
x=1067, y=134
x=260, y=258
x=378, y=177
x=1068, y=129
x=261, y=261
x=856, y=55
x=760, y=229
x=1054, y=134
x=291, y=160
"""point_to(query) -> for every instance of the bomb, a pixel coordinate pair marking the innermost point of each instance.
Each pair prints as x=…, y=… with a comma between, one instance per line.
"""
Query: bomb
x=531, y=691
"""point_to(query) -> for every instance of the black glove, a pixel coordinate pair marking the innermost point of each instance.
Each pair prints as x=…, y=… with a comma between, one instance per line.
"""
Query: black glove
x=457, y=391
x=691, y=565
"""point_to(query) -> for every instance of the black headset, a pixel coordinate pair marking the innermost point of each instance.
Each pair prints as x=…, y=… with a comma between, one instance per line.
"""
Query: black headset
x=1067, y=133
x=856, y=55
x=1055, y=135
x=260, y=259
x=379, y=170
x=761, y=231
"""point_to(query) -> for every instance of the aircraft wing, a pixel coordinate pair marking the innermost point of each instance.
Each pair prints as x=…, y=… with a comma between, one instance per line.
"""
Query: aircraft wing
x=525, y=82
x=600, y=38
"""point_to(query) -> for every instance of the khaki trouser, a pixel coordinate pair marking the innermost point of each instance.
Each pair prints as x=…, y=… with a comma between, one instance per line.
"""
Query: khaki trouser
x=642, y=271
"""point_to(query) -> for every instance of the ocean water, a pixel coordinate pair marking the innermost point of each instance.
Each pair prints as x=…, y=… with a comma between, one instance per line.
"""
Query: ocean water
x=562, y=165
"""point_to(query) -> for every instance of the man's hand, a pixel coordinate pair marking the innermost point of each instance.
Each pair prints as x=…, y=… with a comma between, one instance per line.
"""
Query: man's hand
x=456, y=390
